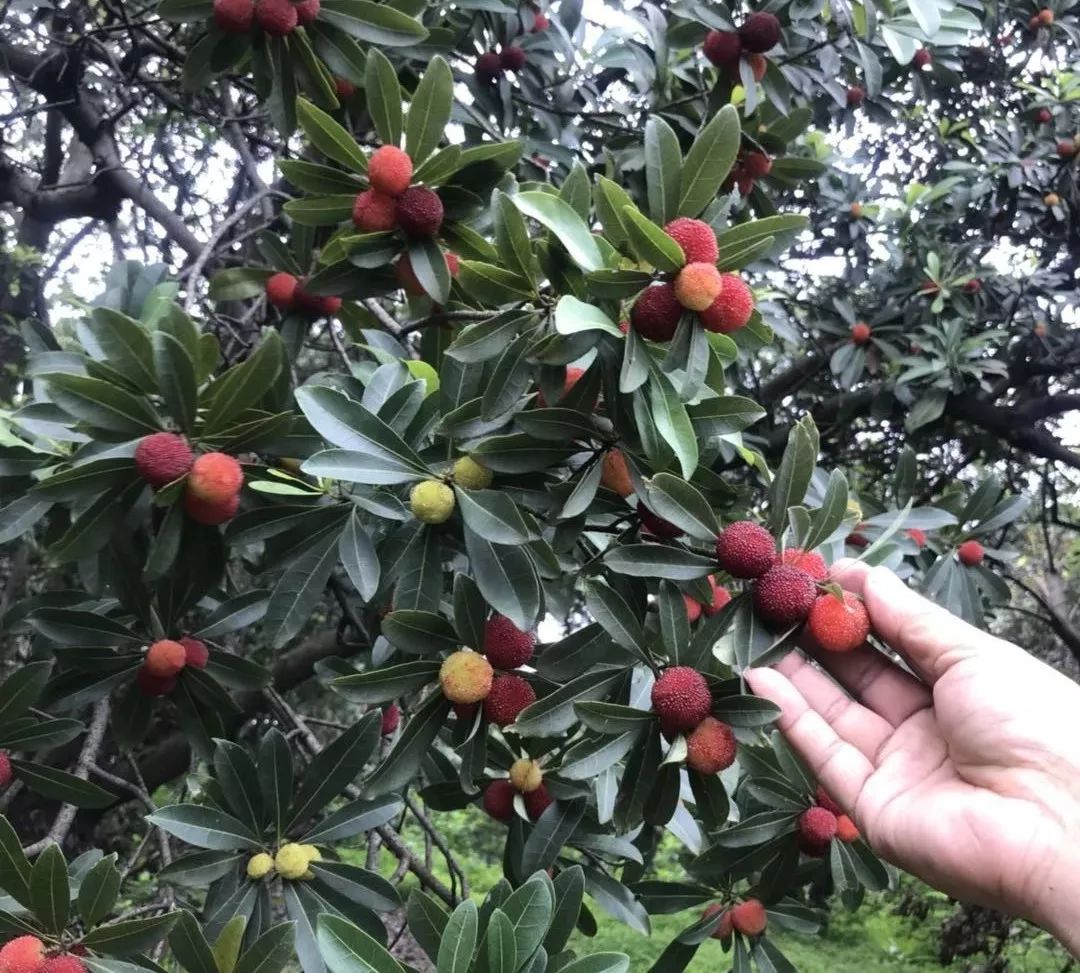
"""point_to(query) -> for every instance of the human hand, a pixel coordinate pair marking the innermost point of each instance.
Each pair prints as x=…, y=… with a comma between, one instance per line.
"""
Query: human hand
x=969, y=776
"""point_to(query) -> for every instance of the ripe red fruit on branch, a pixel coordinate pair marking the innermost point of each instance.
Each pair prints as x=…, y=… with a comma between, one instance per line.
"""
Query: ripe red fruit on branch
x=64, y=963
x=6, y=773
x=277, y=18
x=860, y=333
x=846, y=830
x=165, y=658
x=723, y=930
x=856, y=95
x=809, y=561
x=24, y=954
x=922, y=58
x=390, y=170
x=656, y=313
x=720, y=597
x=210, y=512
x=918, y=536
x=509, y=696
x=512, y=58
x=1044, y=116
x=307, y=11
x=970, y=553
x=419, y=212
x=749, y=918
x=162, y=457
x=196, y=654
x=745, y=549
x=538, y=801
x=693, y=609
x=973, y=286
x=151, y=685
x=488, y=67
x=732, y=308
x=681, y=698
x=616, y=474
x=757, y=165
x=839, y=626
x=657, y=526
x=821, y=797
x=1067, y=148
x=759, y=64
x=1046, y=16
x=344, y=88
x=281, y=290
x=722, y=47
x=697, y=239
x=374, y=212
x=760, y=32
x=540, y=23
x=234, y=16
x=391, y=718
x=711, y=747
x=498, y=800
x=817, y=826
x=215, y=477
x=505, y=645
x=783, y=596
x=698, y=285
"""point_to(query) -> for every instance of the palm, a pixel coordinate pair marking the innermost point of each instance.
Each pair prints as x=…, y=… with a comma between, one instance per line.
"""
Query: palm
x=966, y=786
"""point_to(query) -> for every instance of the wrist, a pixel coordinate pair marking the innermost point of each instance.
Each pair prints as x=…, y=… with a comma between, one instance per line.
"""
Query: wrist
x=1058, y=909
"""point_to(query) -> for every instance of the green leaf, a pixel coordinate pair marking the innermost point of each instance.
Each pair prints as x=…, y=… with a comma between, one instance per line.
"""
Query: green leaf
x=184, y=11
x=14, y=867
x=271, y=952
x=204, y=827
x=354, y=818
x=555, y=827
x=243, y=385
x=554, y=714
x=616, y=617
x=658, y=561
x=427, y=920
x=50, y=895
x=86, y=480
x=458, y=939
x=828, y=517
x=23, y=687
x=121, y=341
x=241, y=283
x=680, y=503
x=300, y=588
x=358, y=885
x=59, y=785
x=512, y=237
x=673, y=423
x=756, y=830
x=663, y=169
x=781, y=228
x=419, y=632
x=569, y=891
x=570, y=229
x=529, y=910
x=189, y=945
x=313, y=178
x=650, y=243
x=103, y=405
x=239, y=782
x=176, y=376
x=383, y=93
x=412, y=748
x=492, y=285
x=492, y=515
x=390, y=682
x=374, y=23
x=130, y=937
x=573, y=317
x=346, y=948
x=599, y=963
x=709, y=161
x=329, y=137
x=320, y=211
x=507, y=579
x=792, y=479
x=501, y=951
x=358, y=557
x=429, y=110
x=674, y=625
x=591, y=757
x=98, y=891
x=275, y=772
x=20, y=515
x=231, y=936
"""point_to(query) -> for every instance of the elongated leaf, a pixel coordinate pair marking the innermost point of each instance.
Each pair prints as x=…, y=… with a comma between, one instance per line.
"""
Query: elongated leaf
x=204, y=827
x=353, y=819
x=103, y=405
x=411, y=748
x=374, y=23
x=709, y=160
x=50, y=894
x=61, y=786
x=429, y=110
x=680, y=503
x=329, y=137
x=98, y=891
x=459, y=939
x=383, y=93
x=559, y=217
x=663, y=169
x=346, y=948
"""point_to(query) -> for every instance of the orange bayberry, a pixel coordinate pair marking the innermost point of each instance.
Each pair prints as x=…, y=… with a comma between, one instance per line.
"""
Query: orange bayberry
x=970, y=553
x=210, y=512
x=839, y=626
x=281, y=290
x=860, y=333
x=749, y=917
x=698, y=285
x=846, y=830
x=616, y=474
x=710, y=748
x=215, y=477
x=165, y=658
x=809, y=561
x=390, y=170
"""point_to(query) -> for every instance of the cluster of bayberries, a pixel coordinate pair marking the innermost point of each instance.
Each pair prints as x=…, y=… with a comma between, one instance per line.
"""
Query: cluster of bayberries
x=292, y=861
x=27, y=954
x=820, y=823
x=760, y=32
x=722, y=302
x=491, y=65
x=747, y=917
x=213, y=480
x=433, y=501
x=392, y=202
x=278, y=18
x=287, y=293
x=682, y=701
x=165, y=660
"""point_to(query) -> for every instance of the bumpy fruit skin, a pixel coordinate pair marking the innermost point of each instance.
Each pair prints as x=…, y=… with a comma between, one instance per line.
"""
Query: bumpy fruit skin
x=720, y=597
x=922, y=58
x=215, y=477
x=6, y=773
x=488, y=67
x=749, y=918
x=759, y=64
x=809, y=561
x=698, y=285
x=657, y=526
x=472, y=475
x=540, y=23
x=757, y=165
x=538, y=801
x=970, y=553
x=313, y=855
x=615, y=474
x=24, y=954
x=260, y=865
x=196, y=654
x=784, y=595
x=525, y=775
x=722, y=47
x=681, y=698
x=1051, y=199
x=1066, y=148
x=234, y=16
x=165, y=658
x=710, y=748
x=291, y=861
x=505, y=645
x=732, y=308
x=374, y=212
x=693, y=609
x=817, y=825
x=745, y=549
x=419, y=213
x=276, y=17
x=822, y=799
x=391, y=719
x=281, y=290
x=697, y=239
x=846, y=830
x=512, y=58
x=918, y=536
x=432, y=502
x=860, y=333
x=307, y=11
x=208, y=512
x=1046, y=16
x=856, y=95
x=656, y=313
x=151, y=685
x=390, y=170
x=760, y=32
x=162, y=457
x=509, y=695
x=465, y=677
x=498, y=800
x=839, y=626
x=64, y=963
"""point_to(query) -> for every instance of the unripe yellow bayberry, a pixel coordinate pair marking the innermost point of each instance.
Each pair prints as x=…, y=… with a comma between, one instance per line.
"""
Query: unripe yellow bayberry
x=465, y=677
x=472, y=475
x=431, y=502
x=313, y=855
x=291, y=861
x=525, y=775
x=260, y=865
